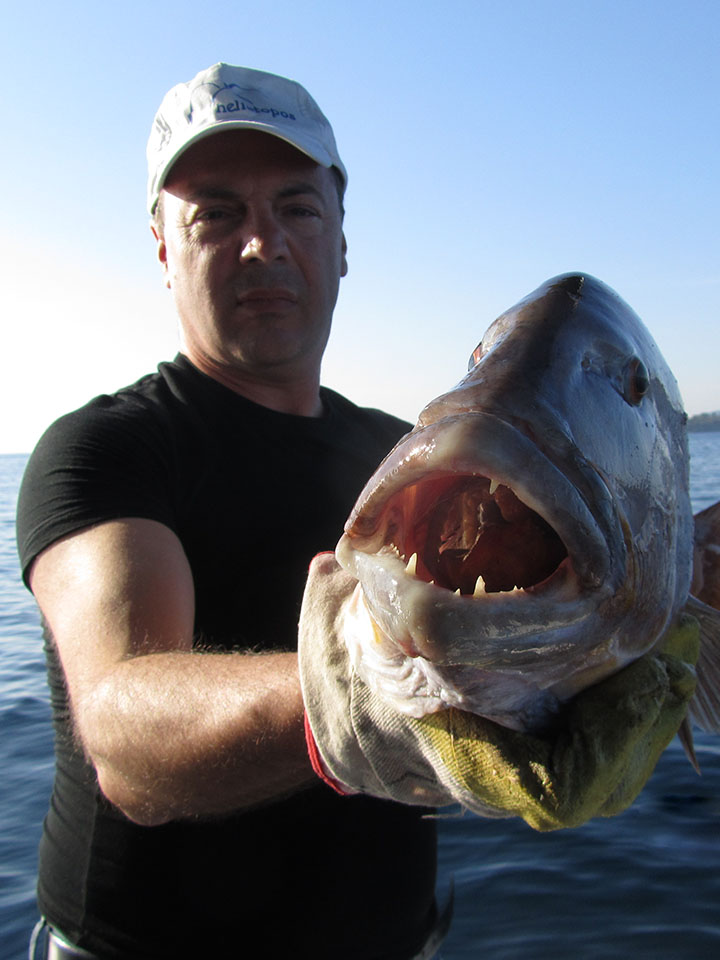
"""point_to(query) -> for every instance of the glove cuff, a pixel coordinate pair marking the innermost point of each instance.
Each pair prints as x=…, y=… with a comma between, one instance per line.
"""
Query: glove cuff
x=317, y=764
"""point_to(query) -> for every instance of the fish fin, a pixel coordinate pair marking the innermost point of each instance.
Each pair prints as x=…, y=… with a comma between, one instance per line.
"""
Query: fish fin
x=706, y=556
x=685, y=737
x=704, y=707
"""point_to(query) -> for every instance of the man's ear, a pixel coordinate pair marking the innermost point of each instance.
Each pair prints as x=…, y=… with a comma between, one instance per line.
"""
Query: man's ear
x=161, y=251
x=343, y=263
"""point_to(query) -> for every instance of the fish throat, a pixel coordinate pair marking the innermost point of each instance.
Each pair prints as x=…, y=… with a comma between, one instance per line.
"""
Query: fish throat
x=471, y=534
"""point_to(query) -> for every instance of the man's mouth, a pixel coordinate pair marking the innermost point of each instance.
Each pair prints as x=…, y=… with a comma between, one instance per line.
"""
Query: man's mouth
x=267, y=298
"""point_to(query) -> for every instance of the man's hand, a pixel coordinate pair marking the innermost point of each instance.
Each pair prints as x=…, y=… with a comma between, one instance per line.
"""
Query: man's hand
x=594, y=765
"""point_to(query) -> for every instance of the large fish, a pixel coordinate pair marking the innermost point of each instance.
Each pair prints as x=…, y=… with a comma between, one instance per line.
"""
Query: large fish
x=533, y=533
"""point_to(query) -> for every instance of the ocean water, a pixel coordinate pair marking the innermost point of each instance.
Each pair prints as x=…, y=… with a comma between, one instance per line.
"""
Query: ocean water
x=645, y=884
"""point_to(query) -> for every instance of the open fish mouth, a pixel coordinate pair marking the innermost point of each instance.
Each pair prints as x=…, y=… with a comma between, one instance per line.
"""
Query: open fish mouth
x=471, y=535
x=468, y=531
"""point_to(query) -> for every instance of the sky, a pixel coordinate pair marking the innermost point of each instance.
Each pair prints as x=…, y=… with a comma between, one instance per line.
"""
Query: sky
x=490, y=146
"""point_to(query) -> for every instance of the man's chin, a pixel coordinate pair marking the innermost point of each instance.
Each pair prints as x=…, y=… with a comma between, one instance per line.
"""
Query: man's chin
x=276, y=344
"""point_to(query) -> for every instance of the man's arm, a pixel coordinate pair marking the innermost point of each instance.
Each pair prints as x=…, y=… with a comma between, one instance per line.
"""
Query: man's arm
x=171, y=732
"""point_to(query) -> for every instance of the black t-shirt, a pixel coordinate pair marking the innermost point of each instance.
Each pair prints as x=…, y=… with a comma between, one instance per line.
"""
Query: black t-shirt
x=253, y=495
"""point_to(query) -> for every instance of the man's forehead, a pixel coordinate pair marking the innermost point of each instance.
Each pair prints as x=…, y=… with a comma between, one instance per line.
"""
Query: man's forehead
x=238, y=152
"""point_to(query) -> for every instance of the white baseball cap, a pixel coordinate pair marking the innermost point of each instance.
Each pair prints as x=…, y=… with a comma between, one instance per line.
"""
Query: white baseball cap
x=225, y=97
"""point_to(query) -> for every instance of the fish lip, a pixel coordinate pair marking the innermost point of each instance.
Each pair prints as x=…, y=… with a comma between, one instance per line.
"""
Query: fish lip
x=498, y=630
x=484, y=445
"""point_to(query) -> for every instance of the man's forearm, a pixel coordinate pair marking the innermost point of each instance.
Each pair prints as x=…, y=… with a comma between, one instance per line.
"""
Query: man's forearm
x=184, y=734
x=172, y=732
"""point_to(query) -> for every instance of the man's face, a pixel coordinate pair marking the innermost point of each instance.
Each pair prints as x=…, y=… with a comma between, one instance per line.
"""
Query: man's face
x=253, y=251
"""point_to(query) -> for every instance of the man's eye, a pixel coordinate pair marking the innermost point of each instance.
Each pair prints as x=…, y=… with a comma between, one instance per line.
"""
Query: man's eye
x=300, y=211
x=205, y=216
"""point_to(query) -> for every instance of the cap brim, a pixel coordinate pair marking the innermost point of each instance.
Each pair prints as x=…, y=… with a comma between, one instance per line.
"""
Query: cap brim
x=305, y=145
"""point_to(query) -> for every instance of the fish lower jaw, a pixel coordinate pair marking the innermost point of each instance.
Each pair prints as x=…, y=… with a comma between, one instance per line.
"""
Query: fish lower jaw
x=562, y=579
x=498, y=630
x=480, y=589
x=390, y=575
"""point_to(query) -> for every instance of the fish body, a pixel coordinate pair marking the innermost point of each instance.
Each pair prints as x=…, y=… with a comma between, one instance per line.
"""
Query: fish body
x=533, y=533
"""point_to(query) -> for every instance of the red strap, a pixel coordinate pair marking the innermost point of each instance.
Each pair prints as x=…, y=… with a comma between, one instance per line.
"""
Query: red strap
x=317, y=764
x=323, y=553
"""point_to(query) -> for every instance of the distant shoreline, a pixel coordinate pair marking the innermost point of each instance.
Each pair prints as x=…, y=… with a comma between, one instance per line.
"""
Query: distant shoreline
x=704, y=422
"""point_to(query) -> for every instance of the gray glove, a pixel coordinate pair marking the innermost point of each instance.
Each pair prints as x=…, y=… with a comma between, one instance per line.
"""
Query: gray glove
x=594, y=766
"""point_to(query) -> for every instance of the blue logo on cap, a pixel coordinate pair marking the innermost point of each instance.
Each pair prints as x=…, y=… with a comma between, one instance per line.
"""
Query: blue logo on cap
x=241, y=102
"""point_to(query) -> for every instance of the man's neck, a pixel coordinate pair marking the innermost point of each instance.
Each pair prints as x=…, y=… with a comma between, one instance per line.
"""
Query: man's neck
x=300, y=397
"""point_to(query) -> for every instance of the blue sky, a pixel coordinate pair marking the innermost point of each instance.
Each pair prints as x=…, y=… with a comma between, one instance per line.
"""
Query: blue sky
x=490, y=146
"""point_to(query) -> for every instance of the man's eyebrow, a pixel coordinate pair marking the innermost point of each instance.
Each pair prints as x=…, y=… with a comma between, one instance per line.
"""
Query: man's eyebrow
x=212, y=193
x=225, y=193
x=297, y=189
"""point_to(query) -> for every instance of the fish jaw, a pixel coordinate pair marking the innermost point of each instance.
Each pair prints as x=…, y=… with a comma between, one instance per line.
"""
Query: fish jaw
x=509, y=627
x=416, y=687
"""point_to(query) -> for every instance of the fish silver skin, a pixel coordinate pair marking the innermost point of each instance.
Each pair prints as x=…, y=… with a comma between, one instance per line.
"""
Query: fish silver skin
x=533, y=533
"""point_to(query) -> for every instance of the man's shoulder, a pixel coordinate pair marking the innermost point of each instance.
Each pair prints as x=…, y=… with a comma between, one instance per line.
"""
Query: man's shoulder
x=115, y=456
x=151, y=390
x=145, y=403
x=378, y=421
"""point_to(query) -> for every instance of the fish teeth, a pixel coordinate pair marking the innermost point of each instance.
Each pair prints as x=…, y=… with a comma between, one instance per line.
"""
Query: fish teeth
x=411, y=565
x=479, y=590
x=493, y=486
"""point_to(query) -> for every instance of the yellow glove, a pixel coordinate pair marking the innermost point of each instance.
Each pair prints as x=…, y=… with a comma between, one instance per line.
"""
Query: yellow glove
x=597, y=764
x=594, y=765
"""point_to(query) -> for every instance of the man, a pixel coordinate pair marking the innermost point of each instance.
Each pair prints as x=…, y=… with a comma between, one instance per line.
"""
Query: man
x=166, y=531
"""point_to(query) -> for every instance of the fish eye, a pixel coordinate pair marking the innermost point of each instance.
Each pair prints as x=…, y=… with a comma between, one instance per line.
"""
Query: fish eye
x=475, y=356
x=636, y=381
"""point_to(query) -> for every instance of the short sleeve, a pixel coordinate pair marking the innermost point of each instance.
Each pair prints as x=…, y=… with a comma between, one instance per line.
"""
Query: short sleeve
x=110, y=459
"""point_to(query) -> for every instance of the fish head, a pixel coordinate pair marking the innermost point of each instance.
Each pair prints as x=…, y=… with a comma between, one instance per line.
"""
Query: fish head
x=536, y=522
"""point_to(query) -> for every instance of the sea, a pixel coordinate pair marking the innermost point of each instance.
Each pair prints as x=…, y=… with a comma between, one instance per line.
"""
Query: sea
x=645, y=884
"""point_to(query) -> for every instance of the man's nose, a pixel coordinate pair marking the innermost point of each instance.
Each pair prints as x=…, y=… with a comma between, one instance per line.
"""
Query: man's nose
x=264, y=239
